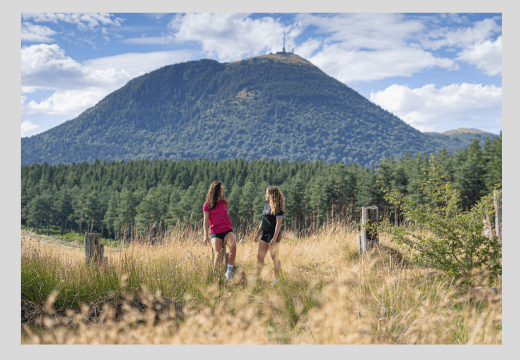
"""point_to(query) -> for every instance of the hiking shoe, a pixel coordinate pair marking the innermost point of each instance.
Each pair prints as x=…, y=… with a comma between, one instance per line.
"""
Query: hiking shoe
x=229, y=276
x=273, y=283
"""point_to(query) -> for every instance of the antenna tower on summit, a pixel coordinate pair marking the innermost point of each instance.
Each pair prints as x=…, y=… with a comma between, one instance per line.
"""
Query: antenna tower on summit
x=283, y=52
x=284, y=40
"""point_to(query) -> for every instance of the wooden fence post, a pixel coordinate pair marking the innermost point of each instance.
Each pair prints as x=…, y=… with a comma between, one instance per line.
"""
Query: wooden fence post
x=497, y=195
x=369, y=238
x=93, y=248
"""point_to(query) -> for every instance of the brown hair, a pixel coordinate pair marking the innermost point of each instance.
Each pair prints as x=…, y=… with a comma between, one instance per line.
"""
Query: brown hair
x=213, y=196
x=276, y=200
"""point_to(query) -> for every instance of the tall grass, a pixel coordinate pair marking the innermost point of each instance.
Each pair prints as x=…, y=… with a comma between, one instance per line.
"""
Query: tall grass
x=327, y=295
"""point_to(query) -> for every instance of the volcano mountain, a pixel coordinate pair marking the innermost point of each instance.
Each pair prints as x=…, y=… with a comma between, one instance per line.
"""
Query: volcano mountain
x=276, y=106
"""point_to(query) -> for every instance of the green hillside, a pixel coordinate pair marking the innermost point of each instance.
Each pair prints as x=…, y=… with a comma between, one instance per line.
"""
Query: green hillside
x=272, y=106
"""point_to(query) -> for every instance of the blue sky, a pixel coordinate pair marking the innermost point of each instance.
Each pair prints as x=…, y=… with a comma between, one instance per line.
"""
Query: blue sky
x=437, y=72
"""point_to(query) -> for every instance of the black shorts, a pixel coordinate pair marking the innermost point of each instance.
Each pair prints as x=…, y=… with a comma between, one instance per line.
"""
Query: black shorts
x=267, y=237
x=221, y=235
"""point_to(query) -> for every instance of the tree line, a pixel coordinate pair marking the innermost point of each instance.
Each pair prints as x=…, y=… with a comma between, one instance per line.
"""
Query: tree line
x=118, y=198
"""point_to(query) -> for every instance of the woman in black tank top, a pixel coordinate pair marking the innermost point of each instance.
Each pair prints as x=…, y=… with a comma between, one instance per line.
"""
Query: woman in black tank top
x=271, y=231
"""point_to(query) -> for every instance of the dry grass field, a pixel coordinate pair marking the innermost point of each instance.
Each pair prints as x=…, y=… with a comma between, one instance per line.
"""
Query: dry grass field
x=166, y=294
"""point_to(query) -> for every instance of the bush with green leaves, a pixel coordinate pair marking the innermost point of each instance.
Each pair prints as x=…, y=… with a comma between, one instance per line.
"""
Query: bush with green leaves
x=442, y=236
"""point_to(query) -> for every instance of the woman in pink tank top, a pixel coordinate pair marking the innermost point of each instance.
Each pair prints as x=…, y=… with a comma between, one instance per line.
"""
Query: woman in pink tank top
x=216, y=216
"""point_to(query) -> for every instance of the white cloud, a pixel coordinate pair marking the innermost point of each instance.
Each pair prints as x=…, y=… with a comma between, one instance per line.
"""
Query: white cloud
x=451, y=18
x=364, y=31
x=79, y=86
x=36, y=33
x=28, y=128
x=460, y=37
x=66, y=102
x=83, y=21
x=486, y=55
x=48, y=58
x=365, y=47
x=230, y=37
x=307, y=48
x=157, y=40
x=28, y=89
x=424, y=107
x=353, y=65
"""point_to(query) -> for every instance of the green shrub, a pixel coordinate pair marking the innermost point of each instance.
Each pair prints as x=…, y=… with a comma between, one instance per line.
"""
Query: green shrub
x=446, y=238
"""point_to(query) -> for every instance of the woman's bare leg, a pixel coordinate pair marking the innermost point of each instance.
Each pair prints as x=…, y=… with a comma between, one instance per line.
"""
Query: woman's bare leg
x=216, y=243
x=231, y=243
x=273, y=251
x=262, y=251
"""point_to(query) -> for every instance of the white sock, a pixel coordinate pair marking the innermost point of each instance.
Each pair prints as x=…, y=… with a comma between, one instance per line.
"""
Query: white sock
x=230, y=268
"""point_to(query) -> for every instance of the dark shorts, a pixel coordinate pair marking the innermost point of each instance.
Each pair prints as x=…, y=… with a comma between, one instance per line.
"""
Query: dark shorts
x=221, y=235
x=267, y=237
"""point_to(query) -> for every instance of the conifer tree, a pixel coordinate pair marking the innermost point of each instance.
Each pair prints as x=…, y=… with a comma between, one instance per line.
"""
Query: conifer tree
x=40, y=211
x=247, y=202
x=92, y=211
x=111, y=214
x=62, y=208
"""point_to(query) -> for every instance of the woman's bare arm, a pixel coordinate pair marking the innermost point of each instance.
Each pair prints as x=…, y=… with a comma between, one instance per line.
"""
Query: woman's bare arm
x=206, y=226
x=255, y=238
x=277, y=228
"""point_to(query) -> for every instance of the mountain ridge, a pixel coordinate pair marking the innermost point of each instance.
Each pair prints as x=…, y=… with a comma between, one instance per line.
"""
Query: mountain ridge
x=465, y=131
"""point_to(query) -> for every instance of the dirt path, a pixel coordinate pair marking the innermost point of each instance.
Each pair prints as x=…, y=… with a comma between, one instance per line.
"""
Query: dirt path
x=33, y=239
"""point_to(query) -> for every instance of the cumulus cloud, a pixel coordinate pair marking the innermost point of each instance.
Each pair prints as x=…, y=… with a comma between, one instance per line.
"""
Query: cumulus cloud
x=66, y=102
x=36, y=33
x=28, y=128
x=424, y=107
x=79, y=86
x=354, y=65
x=46, y=58
x=486, y=55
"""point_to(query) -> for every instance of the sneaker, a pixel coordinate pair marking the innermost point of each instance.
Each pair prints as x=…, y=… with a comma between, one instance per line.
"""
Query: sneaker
x=273, y=283
x=229, y=276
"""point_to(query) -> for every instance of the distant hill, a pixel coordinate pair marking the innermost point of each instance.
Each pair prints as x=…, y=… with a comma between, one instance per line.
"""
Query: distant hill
x=459, y=138
x=271, y=106
x=465, y=131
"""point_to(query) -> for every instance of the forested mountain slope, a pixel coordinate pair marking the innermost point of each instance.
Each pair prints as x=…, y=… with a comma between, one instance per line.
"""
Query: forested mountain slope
x=271, y=106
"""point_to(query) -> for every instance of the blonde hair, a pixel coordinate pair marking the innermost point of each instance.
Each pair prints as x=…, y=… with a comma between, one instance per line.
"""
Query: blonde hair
x=276, y=200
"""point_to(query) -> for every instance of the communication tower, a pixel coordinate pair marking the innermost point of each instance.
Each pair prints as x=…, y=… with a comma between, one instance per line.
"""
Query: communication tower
x=284, y=40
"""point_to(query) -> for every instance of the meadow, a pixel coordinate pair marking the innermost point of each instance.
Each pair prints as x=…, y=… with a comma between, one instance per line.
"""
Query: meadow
x=164, y=292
